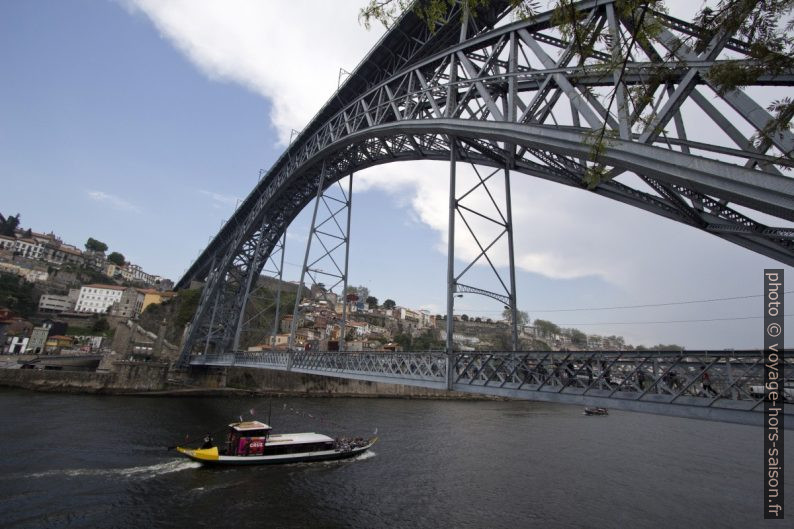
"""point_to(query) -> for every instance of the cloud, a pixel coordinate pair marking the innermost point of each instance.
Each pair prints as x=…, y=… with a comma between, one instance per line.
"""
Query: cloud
x=113, y=201
x=295, y=65
x=220, y=200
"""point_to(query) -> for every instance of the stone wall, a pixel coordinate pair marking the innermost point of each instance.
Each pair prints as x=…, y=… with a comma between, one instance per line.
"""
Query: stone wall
x=126, y=377
x=282, y=382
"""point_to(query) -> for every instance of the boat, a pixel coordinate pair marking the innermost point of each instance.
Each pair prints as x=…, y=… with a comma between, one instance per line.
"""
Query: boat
x=596, y=411
x=252, y=443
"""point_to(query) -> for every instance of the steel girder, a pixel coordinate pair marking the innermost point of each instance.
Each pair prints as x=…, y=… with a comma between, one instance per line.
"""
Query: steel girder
x=724, y=386
x=518, y=95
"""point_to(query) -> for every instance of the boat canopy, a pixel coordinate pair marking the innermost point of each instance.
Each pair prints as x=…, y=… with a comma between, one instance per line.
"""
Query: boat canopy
x=249, y=426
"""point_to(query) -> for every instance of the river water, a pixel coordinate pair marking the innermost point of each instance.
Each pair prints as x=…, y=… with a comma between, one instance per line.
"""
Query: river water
x=89, y=461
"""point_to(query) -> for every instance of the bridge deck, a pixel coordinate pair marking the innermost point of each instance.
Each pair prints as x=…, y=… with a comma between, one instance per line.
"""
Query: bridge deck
x=723, y=386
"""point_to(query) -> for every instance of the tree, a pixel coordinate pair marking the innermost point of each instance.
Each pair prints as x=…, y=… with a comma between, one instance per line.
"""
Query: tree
x=372, y=302
x=522, y=317
x=116, y=258
x=100, y=325
x=578, y=337
x=389, y=304
x=9, y=225
x=465, y=317
x=361, y=291
x=95, y=245
x=17, y=295
x=546, y=327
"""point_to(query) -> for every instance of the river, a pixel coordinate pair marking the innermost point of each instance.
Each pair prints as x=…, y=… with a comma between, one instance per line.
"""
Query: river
x=98, y=461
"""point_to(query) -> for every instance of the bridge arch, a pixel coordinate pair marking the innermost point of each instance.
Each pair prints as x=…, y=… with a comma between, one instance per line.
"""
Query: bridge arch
x=497, y=109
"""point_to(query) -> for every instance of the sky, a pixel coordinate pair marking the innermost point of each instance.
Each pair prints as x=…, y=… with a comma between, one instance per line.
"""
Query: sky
x=142, y=123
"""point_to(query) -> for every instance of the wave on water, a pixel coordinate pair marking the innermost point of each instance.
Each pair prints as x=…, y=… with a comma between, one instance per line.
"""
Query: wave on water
x=369, y=454
x=142, y=472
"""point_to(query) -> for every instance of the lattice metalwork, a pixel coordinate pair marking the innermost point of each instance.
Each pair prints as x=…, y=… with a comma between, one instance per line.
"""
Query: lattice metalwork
x=327, y=267
x=515, y=95
x=264, y=297
x=725, y=386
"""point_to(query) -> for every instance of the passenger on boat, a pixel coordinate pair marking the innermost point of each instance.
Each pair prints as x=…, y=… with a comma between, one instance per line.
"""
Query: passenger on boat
x=207, y=442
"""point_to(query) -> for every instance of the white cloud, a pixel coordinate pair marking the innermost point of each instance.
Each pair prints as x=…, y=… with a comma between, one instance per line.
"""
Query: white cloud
x=113, y=201
x=295, y=65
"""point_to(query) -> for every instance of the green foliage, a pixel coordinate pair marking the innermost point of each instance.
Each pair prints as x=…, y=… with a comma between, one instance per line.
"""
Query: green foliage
x=100, y=325
x=546, y=327
x=188, y=303
x=522, y=318
x=116, y=258
x=432, y=12
x=668, y=347
x=17, y=295
x=424, y=342
x=389, y=304
x=95, y=245
x=372, y=302
x=578, y=337
x=8, y=225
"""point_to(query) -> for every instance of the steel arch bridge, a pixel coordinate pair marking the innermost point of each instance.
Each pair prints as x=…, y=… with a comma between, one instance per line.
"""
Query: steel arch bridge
x=516, y=97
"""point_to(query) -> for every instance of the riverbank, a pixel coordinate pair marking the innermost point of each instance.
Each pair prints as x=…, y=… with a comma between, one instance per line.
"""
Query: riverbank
x=153, y=379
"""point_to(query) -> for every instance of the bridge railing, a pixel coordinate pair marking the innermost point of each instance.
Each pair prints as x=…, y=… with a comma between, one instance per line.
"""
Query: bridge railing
x=705, y=384
x=732, y=379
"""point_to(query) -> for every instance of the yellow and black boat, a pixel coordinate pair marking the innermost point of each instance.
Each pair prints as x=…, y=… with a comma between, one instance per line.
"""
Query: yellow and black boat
x=251, y=443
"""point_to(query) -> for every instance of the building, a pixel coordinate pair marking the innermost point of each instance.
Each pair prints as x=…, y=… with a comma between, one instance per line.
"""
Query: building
x=7, y=243
x=55, y=303
x=155, y=297
x=38, y=340
x=29, y=248
x=98, y=298
x=129, y=305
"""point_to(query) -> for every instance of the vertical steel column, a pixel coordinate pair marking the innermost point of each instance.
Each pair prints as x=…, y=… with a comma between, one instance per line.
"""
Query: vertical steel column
x=453, y=203
x=293, y=326
x=509, y=212
x=212, y=322
x=451, y=263
x=511, y=117
x=343, y=329
x=252, y=267
x=280, y=280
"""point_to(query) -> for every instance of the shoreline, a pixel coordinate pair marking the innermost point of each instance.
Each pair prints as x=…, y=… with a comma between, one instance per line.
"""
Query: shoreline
x=258, y=383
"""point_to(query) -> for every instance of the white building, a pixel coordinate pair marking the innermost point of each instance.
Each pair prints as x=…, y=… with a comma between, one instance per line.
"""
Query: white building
x=98, y=298
x=53, y=303
x=29, y=248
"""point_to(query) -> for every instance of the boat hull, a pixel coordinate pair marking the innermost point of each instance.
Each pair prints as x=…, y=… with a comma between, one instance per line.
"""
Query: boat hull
x=212, y=457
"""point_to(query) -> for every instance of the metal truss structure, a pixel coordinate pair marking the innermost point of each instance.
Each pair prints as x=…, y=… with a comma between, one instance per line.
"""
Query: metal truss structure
x=515, y=95
x=263, y=298
x=334, y=205
x=724, y=386
x=502, y=220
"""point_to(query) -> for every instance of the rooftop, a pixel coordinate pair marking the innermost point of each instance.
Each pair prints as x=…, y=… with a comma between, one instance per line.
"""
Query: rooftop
x=108, y=287
x=249, y=425
x=298, y=438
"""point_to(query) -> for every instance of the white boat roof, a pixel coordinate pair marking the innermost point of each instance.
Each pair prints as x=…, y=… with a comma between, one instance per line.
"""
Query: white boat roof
x=295, y=438
x=249, y=425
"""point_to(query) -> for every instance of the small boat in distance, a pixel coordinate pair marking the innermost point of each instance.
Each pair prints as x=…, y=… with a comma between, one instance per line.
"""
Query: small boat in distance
x=596, y=411
x=251, y=443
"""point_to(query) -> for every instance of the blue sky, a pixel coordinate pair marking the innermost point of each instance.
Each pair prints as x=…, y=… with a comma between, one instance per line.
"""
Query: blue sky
x=141, y=122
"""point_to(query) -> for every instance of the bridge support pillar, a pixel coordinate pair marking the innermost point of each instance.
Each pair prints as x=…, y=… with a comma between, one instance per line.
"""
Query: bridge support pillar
x=326, y=228
x=451, y=266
